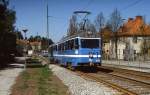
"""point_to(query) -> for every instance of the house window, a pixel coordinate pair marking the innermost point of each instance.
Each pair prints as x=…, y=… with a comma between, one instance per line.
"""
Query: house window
x=134, y=51
x=124, y=51
x=107, y=51
x=134, y=39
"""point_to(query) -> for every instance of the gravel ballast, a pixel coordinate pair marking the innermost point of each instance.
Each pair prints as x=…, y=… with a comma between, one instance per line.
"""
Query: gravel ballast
x=7, y=79
x=80, y=86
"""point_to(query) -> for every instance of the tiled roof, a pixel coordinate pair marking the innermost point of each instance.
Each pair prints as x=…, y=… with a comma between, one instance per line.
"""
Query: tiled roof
x=106, y=33
x=35, y=43
x=134, y=27
x=21, y=42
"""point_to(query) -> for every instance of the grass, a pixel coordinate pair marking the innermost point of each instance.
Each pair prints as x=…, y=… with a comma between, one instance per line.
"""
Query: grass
x=33, y=60
x=38, y=80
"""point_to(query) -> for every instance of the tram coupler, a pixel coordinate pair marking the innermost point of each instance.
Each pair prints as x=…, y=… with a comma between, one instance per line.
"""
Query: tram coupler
x=91, y=64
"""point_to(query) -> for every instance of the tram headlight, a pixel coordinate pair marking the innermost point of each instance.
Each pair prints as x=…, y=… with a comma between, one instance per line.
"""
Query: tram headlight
x=90, y=55
x=76, y=52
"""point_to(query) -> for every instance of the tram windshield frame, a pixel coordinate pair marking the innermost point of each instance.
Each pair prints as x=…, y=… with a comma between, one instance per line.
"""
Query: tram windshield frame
x=90, y=43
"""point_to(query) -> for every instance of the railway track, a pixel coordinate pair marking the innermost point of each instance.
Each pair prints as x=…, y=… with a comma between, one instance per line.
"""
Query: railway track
x=135, y=75
x=143, y=74
x=128, y=83
x=108, y=84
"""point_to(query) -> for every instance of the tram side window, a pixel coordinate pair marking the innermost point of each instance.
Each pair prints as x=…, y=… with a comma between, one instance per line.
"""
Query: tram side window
x=55, y=48
x=59, y=47
x=76, y=44
x=69, y=45
x=62, y=46
x=50, y=49
x=65, y=46
x=72, y=44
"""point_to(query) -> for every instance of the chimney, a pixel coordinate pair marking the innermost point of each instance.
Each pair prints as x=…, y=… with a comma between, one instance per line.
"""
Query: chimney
x=139, y=18
x=130, y=19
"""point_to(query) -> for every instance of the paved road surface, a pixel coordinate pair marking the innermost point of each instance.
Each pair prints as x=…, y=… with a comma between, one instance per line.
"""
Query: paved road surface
x=8, y=76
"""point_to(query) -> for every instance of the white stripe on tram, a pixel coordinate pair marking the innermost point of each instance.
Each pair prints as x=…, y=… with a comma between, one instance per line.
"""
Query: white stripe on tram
x=76, y=55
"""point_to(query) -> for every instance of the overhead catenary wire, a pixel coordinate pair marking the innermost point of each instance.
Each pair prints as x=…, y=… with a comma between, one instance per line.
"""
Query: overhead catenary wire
x=60, y=18
x=131, y=5
x=87, y=5
x=62, y=26
x=57, y=18
x=91, y=2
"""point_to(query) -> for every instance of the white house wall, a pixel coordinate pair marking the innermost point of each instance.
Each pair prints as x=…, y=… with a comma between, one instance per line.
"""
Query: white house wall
x=136, y=46
x=120, y=49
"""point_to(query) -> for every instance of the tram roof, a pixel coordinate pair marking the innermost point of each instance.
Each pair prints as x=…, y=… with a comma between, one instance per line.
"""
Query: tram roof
x=66, y=39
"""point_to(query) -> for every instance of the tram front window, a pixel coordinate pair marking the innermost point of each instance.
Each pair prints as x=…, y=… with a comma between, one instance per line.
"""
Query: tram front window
x=90, y=43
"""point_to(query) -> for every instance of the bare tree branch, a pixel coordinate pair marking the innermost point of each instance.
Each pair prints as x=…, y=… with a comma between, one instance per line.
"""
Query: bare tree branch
x=115, y=22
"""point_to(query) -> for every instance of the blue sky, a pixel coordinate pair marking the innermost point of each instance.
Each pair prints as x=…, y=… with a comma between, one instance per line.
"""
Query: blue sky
x=31, y=14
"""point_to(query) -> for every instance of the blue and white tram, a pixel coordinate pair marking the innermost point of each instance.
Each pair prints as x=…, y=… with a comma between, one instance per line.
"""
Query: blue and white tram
x=78, y=51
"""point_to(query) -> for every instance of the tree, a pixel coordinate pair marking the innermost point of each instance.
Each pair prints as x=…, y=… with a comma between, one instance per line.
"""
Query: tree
x=7, y=35
x=31, y=39
x=72, y=26
x=90, y=28
x=44, y=42
x=115, y=22
x=19, y=35
x=35, y=38
x=99, y=22
x=145, y=46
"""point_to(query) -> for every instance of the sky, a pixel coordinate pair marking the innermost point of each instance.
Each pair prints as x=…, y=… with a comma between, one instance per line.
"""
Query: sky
x=31, y=14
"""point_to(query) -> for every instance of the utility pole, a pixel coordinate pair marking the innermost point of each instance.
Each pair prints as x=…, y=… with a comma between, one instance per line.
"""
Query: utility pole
x=47, y=33
x=25, y=31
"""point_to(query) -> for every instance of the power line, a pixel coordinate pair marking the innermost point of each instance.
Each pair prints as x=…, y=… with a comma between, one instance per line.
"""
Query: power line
x=57, y=33
x=131, y=5
x=58, y=18
x=88, y=4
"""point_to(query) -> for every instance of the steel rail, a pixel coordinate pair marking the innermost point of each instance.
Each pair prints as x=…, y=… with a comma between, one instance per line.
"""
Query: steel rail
x=109, y=84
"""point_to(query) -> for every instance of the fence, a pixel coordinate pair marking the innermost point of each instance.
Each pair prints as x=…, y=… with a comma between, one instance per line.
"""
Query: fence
x=128, y=49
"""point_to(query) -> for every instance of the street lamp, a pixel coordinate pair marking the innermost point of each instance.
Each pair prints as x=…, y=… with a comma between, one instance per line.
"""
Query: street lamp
x=25, y=31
